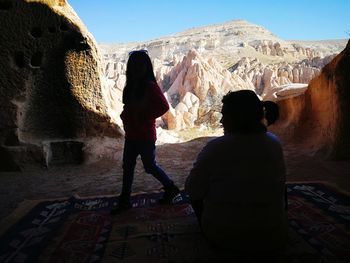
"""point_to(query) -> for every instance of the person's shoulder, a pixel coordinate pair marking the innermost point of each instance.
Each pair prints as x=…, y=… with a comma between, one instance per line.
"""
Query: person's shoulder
x=273, y=137
x=219, y=145
x=153, y=87
x=221, y=140
x=152, y=84
x=211, y=146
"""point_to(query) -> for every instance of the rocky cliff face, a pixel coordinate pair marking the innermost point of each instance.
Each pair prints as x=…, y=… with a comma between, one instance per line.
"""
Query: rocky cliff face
x=319, y=119
x=50, y=76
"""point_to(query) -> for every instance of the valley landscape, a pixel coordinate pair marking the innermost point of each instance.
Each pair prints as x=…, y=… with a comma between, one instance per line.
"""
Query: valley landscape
x=195, y=68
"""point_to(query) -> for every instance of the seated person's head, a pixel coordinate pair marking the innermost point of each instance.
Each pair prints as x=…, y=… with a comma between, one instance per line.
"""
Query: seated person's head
x=243, y=112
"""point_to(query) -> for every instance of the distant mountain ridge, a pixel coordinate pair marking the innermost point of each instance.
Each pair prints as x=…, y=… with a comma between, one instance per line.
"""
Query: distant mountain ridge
x=230, y=41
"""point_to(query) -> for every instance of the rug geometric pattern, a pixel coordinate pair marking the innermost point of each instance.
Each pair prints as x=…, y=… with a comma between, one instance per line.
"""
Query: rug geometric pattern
x=81, y=230
x=322, y=218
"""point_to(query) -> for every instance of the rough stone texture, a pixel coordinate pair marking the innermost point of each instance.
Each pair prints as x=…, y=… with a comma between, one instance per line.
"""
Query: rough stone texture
x=26, y=154
x=268, y=48
x=285, y=91
x=50, y=75
x=320, y=119
x=67, y=152
x=7, y=164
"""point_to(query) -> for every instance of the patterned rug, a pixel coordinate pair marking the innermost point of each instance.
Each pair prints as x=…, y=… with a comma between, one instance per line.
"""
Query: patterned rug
x=81, y=230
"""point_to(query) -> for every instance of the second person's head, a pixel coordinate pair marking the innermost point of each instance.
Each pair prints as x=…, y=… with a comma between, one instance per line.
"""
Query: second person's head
x=243, y=112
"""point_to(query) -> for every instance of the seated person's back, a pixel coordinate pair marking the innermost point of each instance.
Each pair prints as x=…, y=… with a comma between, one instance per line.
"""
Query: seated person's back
x=240, y=179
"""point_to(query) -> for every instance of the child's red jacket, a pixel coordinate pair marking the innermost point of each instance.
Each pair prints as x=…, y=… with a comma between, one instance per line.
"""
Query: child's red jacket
x=139, y=119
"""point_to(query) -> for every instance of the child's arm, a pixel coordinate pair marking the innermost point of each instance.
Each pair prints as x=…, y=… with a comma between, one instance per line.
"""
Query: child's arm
x=158, y=103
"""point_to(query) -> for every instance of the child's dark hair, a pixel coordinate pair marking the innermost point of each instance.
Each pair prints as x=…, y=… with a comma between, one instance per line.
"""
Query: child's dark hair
x=135, y=87
x=247, y=111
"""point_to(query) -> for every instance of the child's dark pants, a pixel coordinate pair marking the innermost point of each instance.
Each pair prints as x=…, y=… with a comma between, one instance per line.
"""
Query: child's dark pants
x=147, y=151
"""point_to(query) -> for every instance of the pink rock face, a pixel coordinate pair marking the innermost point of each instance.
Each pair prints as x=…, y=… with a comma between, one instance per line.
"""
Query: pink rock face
x=320, y=118
x=196, y=88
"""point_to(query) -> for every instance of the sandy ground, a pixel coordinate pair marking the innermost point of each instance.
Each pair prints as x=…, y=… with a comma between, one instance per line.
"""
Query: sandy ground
x=104, y=176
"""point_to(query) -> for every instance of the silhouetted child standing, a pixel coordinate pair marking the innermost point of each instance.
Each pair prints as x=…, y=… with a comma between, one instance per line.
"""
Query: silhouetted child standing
x=143, y=103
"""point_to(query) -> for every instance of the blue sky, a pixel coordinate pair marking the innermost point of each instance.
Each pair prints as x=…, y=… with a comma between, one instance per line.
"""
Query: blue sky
x=136, y=20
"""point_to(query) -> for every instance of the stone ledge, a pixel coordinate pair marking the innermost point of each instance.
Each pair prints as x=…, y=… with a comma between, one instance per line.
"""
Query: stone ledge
x=63, y=152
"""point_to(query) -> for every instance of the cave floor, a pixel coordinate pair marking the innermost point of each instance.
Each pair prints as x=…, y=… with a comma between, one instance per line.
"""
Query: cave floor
x=104, y=176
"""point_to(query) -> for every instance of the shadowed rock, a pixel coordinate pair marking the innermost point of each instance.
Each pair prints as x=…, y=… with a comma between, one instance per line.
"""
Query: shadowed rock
x=67, y=152
x=7, y=164
x=50, y=75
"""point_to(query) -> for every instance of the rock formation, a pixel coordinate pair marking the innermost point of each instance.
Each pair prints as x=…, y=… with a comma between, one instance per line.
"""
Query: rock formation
x=197, y=86
x=319, y=119
x=267, y=78
x=268, y=48
x=50, y=76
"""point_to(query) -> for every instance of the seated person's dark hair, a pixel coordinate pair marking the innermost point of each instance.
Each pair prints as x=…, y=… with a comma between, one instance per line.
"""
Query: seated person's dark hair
x=243, y=112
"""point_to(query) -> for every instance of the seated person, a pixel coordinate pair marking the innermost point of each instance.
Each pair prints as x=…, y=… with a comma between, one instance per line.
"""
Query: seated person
x=237, y=184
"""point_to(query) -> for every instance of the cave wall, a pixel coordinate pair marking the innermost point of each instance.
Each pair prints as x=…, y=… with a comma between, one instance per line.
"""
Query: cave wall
x=319, y=119
x=50, y=76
